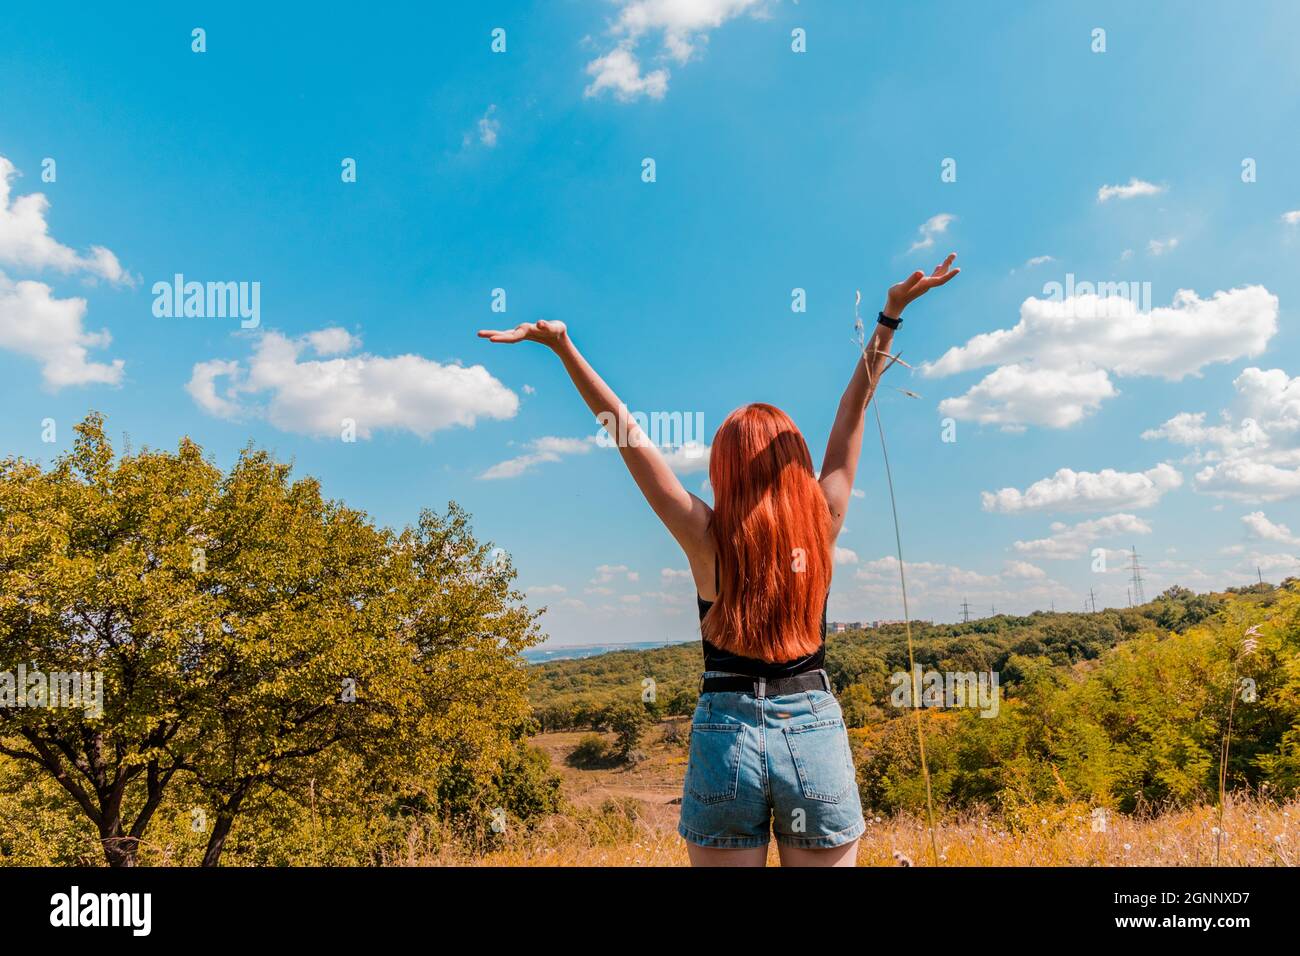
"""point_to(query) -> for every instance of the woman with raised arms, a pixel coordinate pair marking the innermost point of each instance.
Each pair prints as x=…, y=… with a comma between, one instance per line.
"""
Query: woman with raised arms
x=769, y=752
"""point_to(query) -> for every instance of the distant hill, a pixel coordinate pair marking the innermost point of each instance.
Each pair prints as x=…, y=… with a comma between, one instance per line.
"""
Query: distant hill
x=567, y=652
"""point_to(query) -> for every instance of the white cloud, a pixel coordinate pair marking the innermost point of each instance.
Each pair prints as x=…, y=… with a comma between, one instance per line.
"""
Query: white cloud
x=489, y=127
x=26, y=243
x=545, y=449
x=1158, y=247
x=1248, y=480
x=1272, y=562
x=35, y=324
x=688, y=458
x=332, y=341
x=545, y=589
x=683, y=27
x=1136, y=187
x=1039, y=261
x=485, y=131
x=1291, y=218
x=1025, y=570
x=313, y=396
x=845, y=556
x=1187, y=428
x=1074, y=541
x=934, y=226
x=1016, y=395
x=202, y=387
x=620, y=72
x=612, y=607
x=605, y=573
x=1111, y=332
x=1258, y=526
x=1069, y=490
x=1253, y=454
x=936, y=591
x=683, y=22
x=665, y=599
x=683, y=460
x=886, y=569
x=1054, y=365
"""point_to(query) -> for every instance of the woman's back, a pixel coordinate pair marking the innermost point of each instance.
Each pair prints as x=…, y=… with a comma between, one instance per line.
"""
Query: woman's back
x=717, y=659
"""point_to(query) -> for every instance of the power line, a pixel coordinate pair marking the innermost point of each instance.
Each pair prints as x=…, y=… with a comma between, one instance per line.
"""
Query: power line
x=1092, y=595
x=1138, y=595
x=965, y=612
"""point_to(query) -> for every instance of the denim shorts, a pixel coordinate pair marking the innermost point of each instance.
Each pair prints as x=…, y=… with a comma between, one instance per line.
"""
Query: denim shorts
x=770, y=764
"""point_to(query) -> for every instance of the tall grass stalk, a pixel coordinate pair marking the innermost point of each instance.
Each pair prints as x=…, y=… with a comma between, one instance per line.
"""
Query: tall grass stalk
x=1248, y=646
x=902, y=576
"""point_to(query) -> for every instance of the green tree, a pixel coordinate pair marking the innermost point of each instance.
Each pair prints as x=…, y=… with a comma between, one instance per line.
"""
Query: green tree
x=628, y=721
x=591, y=751
x=252, y=636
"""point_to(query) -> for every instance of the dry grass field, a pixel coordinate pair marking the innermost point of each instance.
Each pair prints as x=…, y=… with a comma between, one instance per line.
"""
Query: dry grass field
x=627, y=816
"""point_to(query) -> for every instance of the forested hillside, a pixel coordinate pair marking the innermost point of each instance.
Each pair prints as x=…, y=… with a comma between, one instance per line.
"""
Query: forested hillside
x=573, y=693
x=1122, y=708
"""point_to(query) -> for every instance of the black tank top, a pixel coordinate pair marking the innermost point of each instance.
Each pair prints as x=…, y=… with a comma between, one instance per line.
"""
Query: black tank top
x=716, y=659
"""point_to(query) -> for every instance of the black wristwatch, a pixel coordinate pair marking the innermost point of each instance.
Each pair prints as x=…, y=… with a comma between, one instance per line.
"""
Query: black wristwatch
x=887, y=322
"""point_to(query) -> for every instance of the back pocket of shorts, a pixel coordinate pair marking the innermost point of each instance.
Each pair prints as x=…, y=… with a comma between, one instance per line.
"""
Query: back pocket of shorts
x=713, y=771
x=821, y=757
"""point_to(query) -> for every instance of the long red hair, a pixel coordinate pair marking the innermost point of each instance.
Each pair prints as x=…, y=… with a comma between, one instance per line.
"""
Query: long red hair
x=771, y=525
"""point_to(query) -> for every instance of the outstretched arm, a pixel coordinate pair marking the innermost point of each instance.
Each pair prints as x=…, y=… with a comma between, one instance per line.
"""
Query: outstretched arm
x=843, y=448
x=685, y=516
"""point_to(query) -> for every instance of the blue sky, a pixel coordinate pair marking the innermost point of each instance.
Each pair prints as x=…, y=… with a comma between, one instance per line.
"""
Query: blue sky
x=1178, y=425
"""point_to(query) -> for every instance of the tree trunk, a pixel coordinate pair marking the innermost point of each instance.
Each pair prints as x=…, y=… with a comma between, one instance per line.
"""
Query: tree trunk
x=119, y=849
x=221, y=830
x=121, y=856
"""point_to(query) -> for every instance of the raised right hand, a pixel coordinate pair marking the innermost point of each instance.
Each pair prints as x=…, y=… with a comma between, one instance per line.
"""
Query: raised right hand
x=550, y=334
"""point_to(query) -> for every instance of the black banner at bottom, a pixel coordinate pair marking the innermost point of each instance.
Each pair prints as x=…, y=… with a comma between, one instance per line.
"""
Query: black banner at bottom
x=347, y=906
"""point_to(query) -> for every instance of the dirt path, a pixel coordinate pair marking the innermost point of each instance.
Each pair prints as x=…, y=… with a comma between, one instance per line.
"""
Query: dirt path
x=655, y=781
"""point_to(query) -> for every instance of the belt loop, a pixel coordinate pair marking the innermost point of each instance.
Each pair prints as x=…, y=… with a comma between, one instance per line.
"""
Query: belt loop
x=700, y=690
x=826, y=679
x=762, y=688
